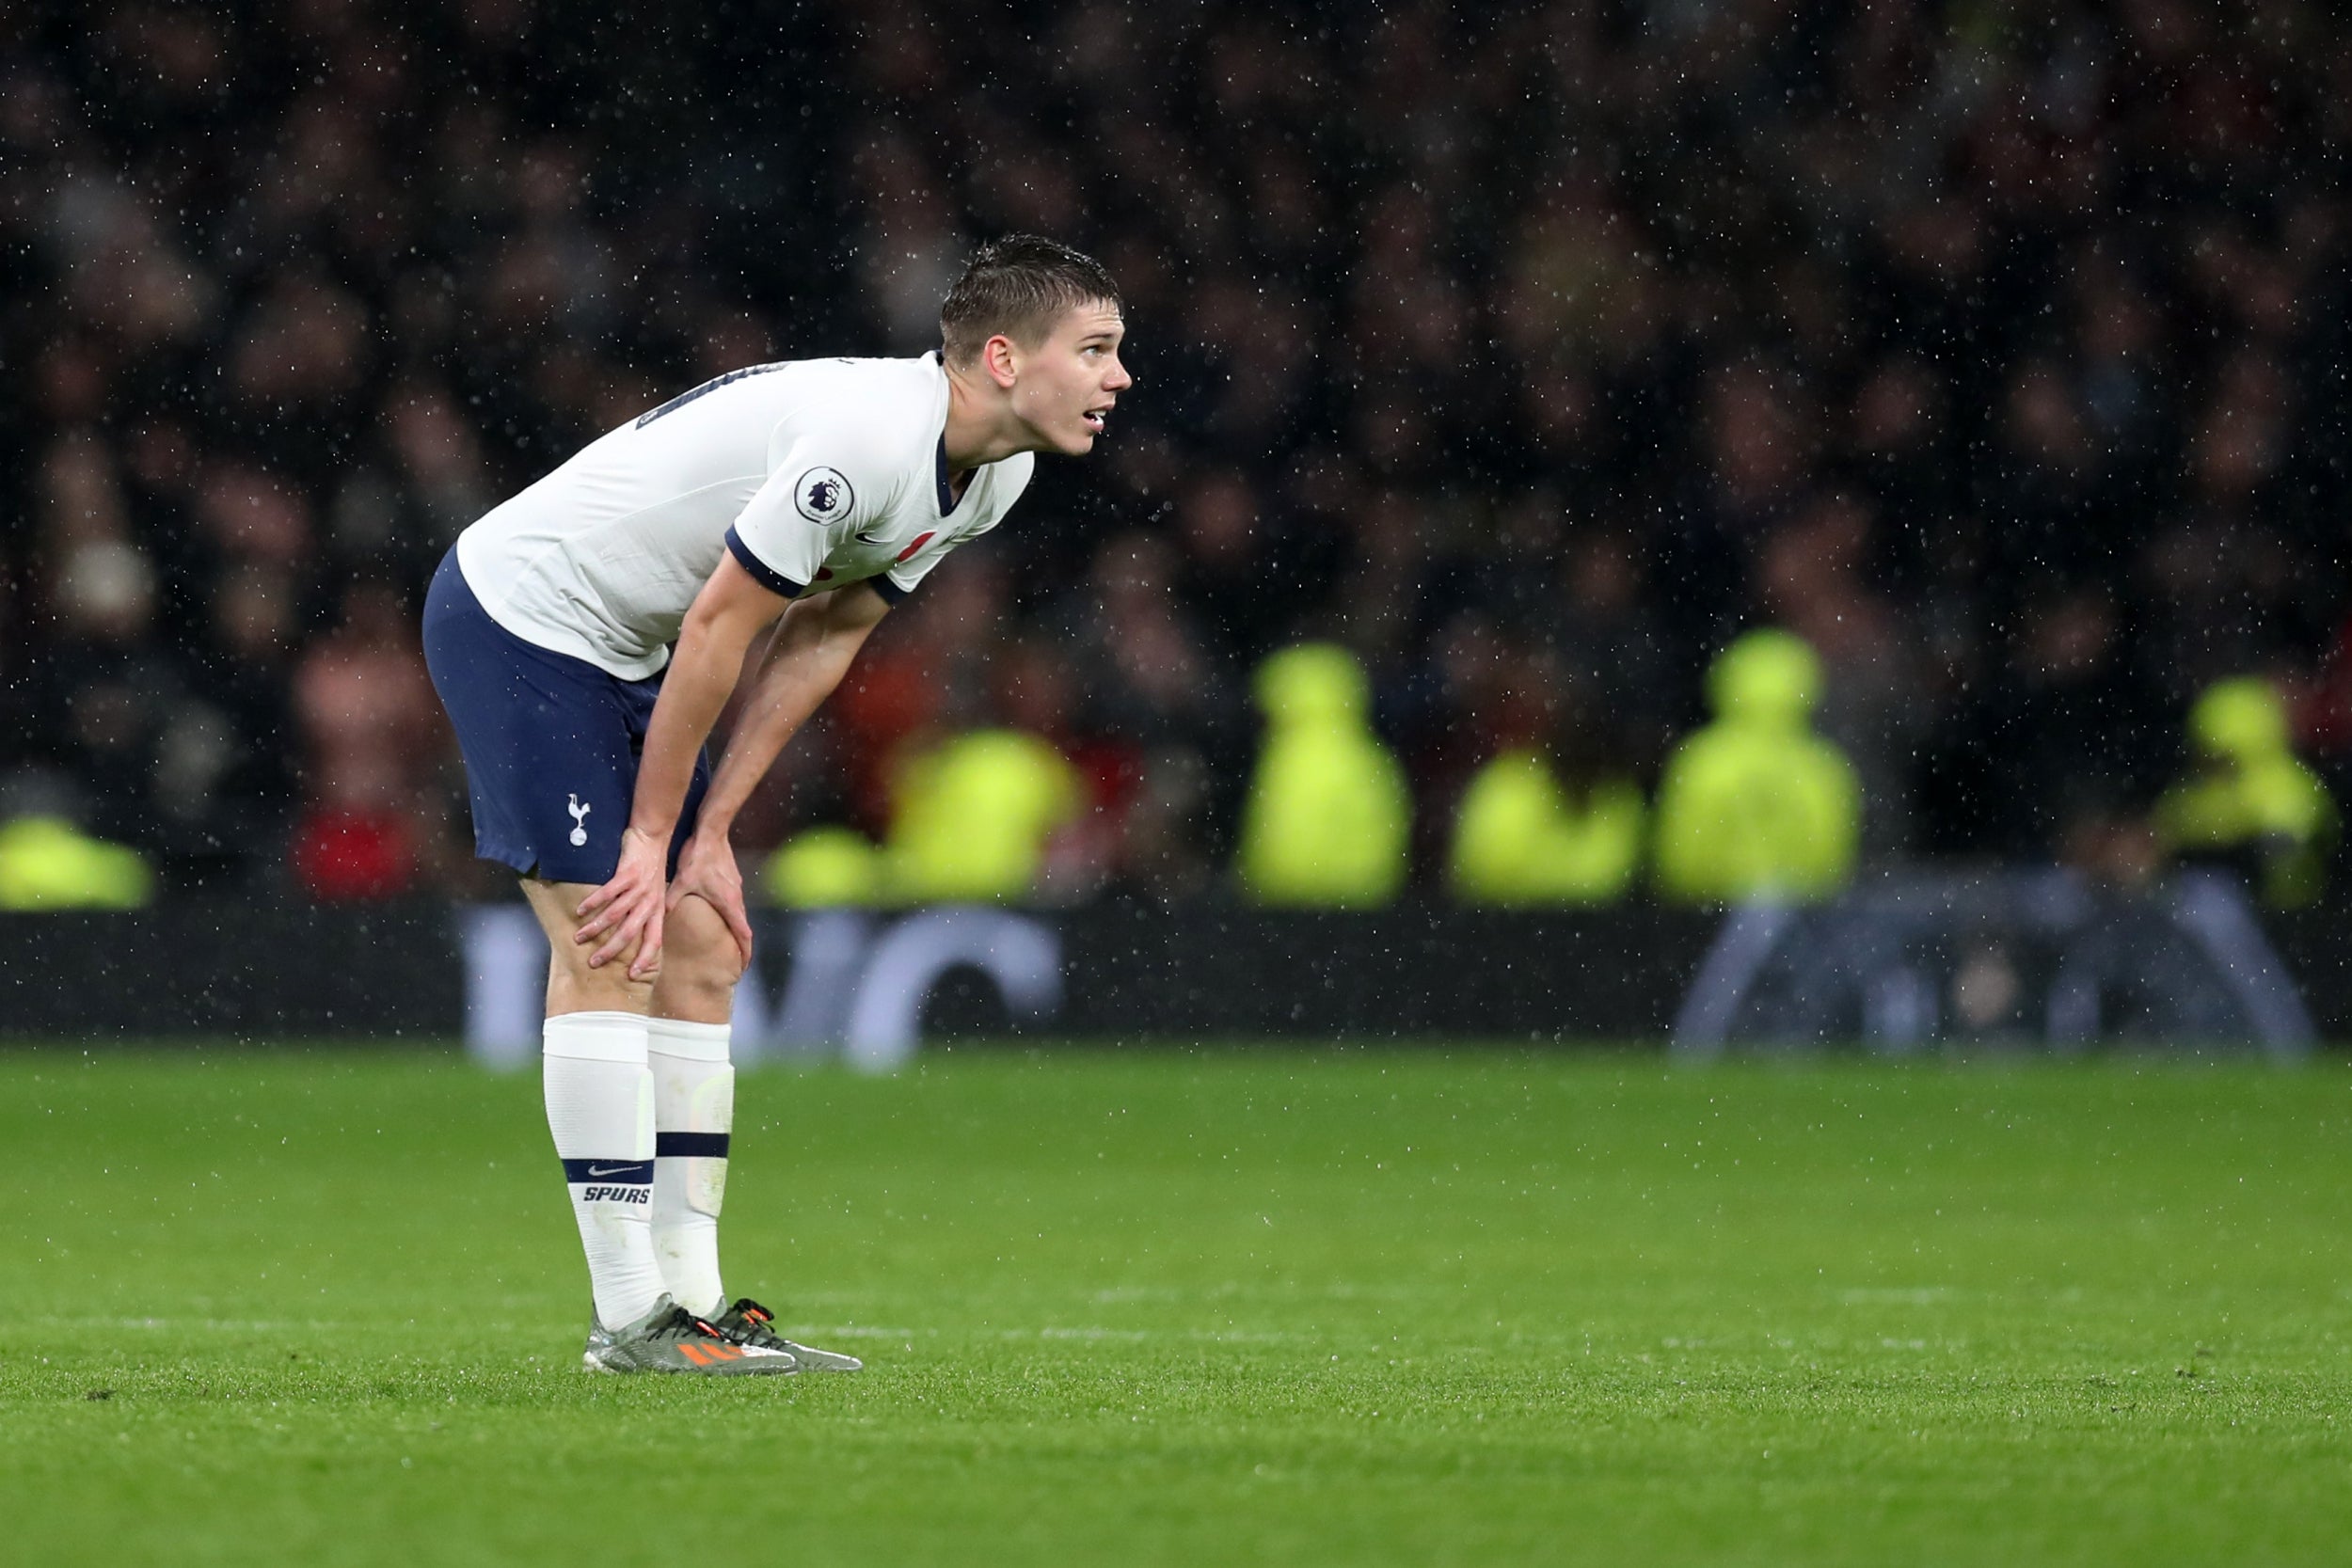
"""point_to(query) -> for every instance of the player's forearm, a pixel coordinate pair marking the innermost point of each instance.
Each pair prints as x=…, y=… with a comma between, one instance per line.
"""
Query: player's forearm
x=694, y=689
x=812, y=650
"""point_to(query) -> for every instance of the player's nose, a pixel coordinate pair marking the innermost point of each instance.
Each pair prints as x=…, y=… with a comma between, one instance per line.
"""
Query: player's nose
x=1119, y=380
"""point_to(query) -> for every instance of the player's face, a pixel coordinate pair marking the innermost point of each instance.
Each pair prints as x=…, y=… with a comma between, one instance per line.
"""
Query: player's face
x=1068, y=384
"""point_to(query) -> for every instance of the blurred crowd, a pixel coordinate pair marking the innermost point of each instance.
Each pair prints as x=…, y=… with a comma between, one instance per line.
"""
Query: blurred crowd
x=1528, y=355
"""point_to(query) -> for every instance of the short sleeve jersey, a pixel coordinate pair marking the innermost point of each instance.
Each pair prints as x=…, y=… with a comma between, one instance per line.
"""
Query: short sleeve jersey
x=813, y=473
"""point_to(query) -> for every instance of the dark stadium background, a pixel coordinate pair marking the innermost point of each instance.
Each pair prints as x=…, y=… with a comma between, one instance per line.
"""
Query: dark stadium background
x=1527, y=351
x=1530, y=353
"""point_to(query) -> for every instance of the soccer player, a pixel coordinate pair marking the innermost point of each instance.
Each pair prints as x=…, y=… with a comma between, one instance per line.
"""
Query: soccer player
x=809, y=496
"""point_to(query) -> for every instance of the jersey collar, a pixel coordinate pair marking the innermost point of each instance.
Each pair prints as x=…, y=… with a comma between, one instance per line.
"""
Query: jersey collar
x=948, y=500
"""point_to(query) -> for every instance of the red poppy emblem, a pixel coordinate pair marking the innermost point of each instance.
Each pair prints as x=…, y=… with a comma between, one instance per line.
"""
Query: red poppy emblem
x=920, y=540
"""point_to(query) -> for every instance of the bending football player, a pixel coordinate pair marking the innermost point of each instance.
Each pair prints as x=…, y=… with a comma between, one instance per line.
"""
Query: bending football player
x=796, y=501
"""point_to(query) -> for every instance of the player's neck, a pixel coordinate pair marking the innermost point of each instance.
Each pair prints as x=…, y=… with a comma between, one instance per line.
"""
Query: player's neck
x=980, y=428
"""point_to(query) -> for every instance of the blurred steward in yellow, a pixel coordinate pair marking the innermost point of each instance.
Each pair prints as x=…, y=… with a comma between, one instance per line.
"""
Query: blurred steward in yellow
x=48, y=864
x=2248, y=802
x=1756, y=805
x=825, y=868
x=1329, y=815
x=1555, y=821
x=971, y=820
x=974, y=814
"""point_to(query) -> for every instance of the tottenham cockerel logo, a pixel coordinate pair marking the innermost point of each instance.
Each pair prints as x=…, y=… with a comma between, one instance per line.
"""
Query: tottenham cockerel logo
x=823, y=496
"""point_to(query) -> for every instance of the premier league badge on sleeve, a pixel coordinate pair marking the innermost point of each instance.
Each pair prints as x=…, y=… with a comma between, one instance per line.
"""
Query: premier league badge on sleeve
x=823, y=496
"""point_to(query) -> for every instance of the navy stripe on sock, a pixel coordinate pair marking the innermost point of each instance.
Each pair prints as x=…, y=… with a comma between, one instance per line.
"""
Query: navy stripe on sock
x=689, y=1146
x=617, y=1173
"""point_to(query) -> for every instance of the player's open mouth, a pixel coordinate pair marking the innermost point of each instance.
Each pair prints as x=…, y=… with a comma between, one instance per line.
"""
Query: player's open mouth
x=1096, y=417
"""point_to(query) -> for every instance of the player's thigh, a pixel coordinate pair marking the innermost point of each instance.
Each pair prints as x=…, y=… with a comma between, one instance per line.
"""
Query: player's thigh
x=700, y=965
x=572, y=986
x=550, y=741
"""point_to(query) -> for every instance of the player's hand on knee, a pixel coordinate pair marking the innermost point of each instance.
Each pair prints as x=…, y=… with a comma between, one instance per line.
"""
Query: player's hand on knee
x=627, y=911
x=706, y=870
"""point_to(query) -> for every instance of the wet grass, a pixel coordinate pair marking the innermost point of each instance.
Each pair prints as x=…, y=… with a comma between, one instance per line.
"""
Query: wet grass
x=1234, y=1306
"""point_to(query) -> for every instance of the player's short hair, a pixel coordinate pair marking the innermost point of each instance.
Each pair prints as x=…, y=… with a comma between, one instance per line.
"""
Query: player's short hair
x=1020, y=285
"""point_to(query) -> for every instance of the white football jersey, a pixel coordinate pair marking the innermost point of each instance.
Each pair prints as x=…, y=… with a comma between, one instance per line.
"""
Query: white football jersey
x=814, y=473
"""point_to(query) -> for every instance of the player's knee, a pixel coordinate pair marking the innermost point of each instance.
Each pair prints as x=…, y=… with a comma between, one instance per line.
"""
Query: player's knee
x=712, y=969
x=699, y=957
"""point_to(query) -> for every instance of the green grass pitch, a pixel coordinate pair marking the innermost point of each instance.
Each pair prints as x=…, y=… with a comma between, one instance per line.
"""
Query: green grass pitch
x=1229, y=1306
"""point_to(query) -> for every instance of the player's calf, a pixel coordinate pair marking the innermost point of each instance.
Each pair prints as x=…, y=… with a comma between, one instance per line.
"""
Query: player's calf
x=693, y=1121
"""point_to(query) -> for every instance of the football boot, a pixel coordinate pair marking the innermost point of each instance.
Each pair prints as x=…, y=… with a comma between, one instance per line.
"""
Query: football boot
x=670, y=1338
x=748, y=1325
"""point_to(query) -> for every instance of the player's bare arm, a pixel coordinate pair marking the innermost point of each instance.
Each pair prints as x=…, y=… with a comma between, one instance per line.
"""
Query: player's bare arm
x=812, y=646
x=811, y=649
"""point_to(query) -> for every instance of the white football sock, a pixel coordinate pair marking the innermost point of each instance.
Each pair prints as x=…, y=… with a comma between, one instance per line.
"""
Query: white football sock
x=599, y=1094
x=694, y=1088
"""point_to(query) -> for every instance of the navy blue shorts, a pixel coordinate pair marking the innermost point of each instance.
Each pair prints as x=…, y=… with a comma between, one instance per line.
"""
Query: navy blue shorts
x=551, y=742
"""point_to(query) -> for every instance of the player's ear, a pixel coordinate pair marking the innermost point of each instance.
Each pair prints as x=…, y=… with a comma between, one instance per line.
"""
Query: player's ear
x=999, y=358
